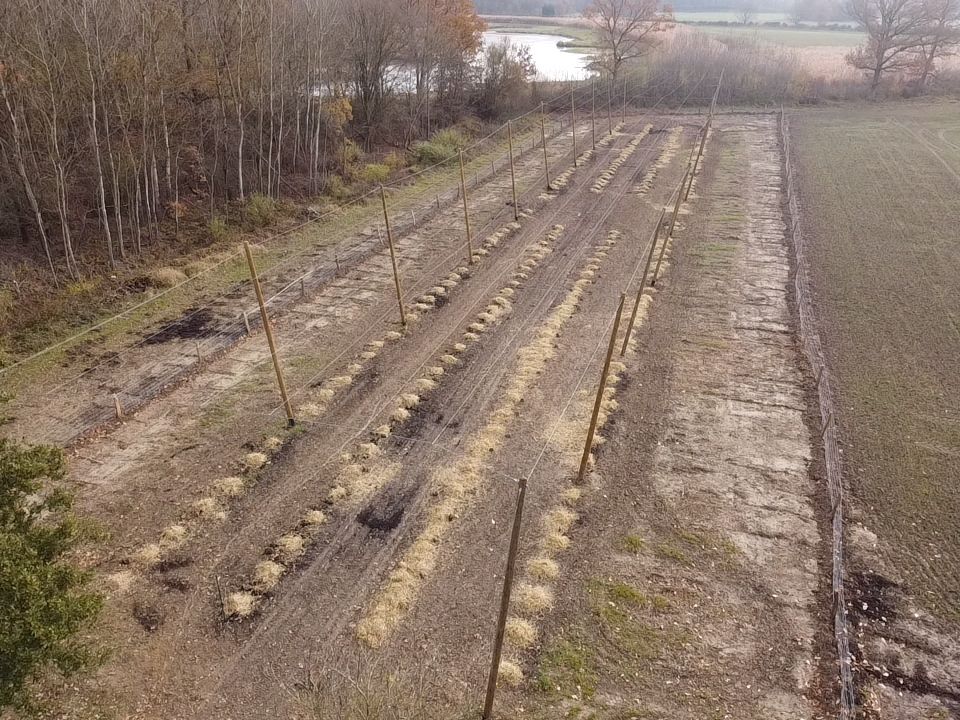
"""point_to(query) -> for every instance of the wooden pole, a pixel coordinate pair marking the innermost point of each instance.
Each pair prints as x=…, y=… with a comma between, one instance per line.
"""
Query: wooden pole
x=513, y=175
x=610, y=108
x=573, y=125
x=393, y=257
x=643, y=281
x=593, y=112
x=268, y=330
x=623, y=112
x=603, y=384
x=466, y=214
x=504, y=601
x=696, y=161
x=673, y=220
x=676, y=207
x=543, y=139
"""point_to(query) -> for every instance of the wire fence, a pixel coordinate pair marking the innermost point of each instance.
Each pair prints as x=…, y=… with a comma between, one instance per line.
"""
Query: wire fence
x=206, y=330
x=813, y=349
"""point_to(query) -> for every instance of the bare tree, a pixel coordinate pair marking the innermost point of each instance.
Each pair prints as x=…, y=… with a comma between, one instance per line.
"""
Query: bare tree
x=626, y=29
x=939, y=36
x=894, y=30
x=118, y=119
x=746, y=13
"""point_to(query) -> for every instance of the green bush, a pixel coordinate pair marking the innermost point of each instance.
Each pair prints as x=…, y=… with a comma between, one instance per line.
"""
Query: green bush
x=260, y=211
x=350, y=157
x=219, y=230
x=395, y=161
x=337, y=188
x=444, y=145
x=45, y=601
x=375, y=174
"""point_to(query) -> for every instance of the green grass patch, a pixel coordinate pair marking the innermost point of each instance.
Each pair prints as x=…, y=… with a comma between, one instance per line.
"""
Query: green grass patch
x=633, y=544
x=568, y=667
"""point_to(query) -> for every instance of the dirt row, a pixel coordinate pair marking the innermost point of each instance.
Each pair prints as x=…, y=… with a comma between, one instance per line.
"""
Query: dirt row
x=336, y=280
x=175, y=606
x=259, y=572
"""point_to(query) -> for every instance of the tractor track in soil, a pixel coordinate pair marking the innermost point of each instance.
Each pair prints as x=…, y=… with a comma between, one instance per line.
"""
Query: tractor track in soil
x=189, y=622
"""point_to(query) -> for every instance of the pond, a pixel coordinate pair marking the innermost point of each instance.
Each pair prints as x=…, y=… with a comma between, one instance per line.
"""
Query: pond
x=552, y=62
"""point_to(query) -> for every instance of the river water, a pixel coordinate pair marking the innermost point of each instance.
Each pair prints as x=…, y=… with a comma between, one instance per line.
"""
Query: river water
x=553, y=63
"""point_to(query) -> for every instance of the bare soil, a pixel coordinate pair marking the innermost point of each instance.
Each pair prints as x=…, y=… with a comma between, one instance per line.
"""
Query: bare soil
x=876, y=188
x=684, y=579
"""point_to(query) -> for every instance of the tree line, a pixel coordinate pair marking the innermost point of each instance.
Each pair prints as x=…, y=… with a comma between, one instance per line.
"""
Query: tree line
x=904, y=37
x=118, y=118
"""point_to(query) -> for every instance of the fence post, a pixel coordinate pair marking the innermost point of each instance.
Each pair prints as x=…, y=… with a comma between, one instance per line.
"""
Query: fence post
x=676, y=207
x=593, y=112
x=603, y=384
x=513, y=176
x=543, y=139
x=466, y=214
x=393, y=257
x=609, y=108
x=643, y=281
x=673, y=220
x=268, y=330
x=696, y=160
x=573, y=124
x=504, y=601
x=623, y=112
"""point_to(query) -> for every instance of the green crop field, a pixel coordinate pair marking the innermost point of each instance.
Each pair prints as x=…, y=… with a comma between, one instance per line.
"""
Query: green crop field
x=878, y=186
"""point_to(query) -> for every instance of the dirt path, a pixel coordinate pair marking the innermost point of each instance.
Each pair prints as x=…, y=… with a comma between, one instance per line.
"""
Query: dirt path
x=693, y=585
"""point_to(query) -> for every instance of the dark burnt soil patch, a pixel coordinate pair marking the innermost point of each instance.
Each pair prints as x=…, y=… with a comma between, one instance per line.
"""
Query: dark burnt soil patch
x=195, y=323
x=149, y=616
x=385, y=512
x=872, y=596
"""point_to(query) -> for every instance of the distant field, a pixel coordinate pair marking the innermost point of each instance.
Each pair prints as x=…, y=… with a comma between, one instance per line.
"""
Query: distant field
x=577, y=37
x=879, y=189
x=789, y=37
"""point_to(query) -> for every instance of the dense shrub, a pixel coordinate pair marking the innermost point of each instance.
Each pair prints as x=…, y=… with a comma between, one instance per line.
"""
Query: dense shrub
x=45, y=602
x=219, y=230
x=260, y=211
x=375, y=173
x=444, y=145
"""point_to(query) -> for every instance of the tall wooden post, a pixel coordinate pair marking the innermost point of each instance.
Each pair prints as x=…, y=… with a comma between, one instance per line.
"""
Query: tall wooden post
x=543, y=139
x=504, y=601
x=268, y=330
x=703, y=139
x=676, y=207
x=643, y=282
x=623, y=112
x=513, y=175
x=610, y=107
x=393, y=257
x=603, y=384
x=466, y=214
x=593, y=112
x=573, y=124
